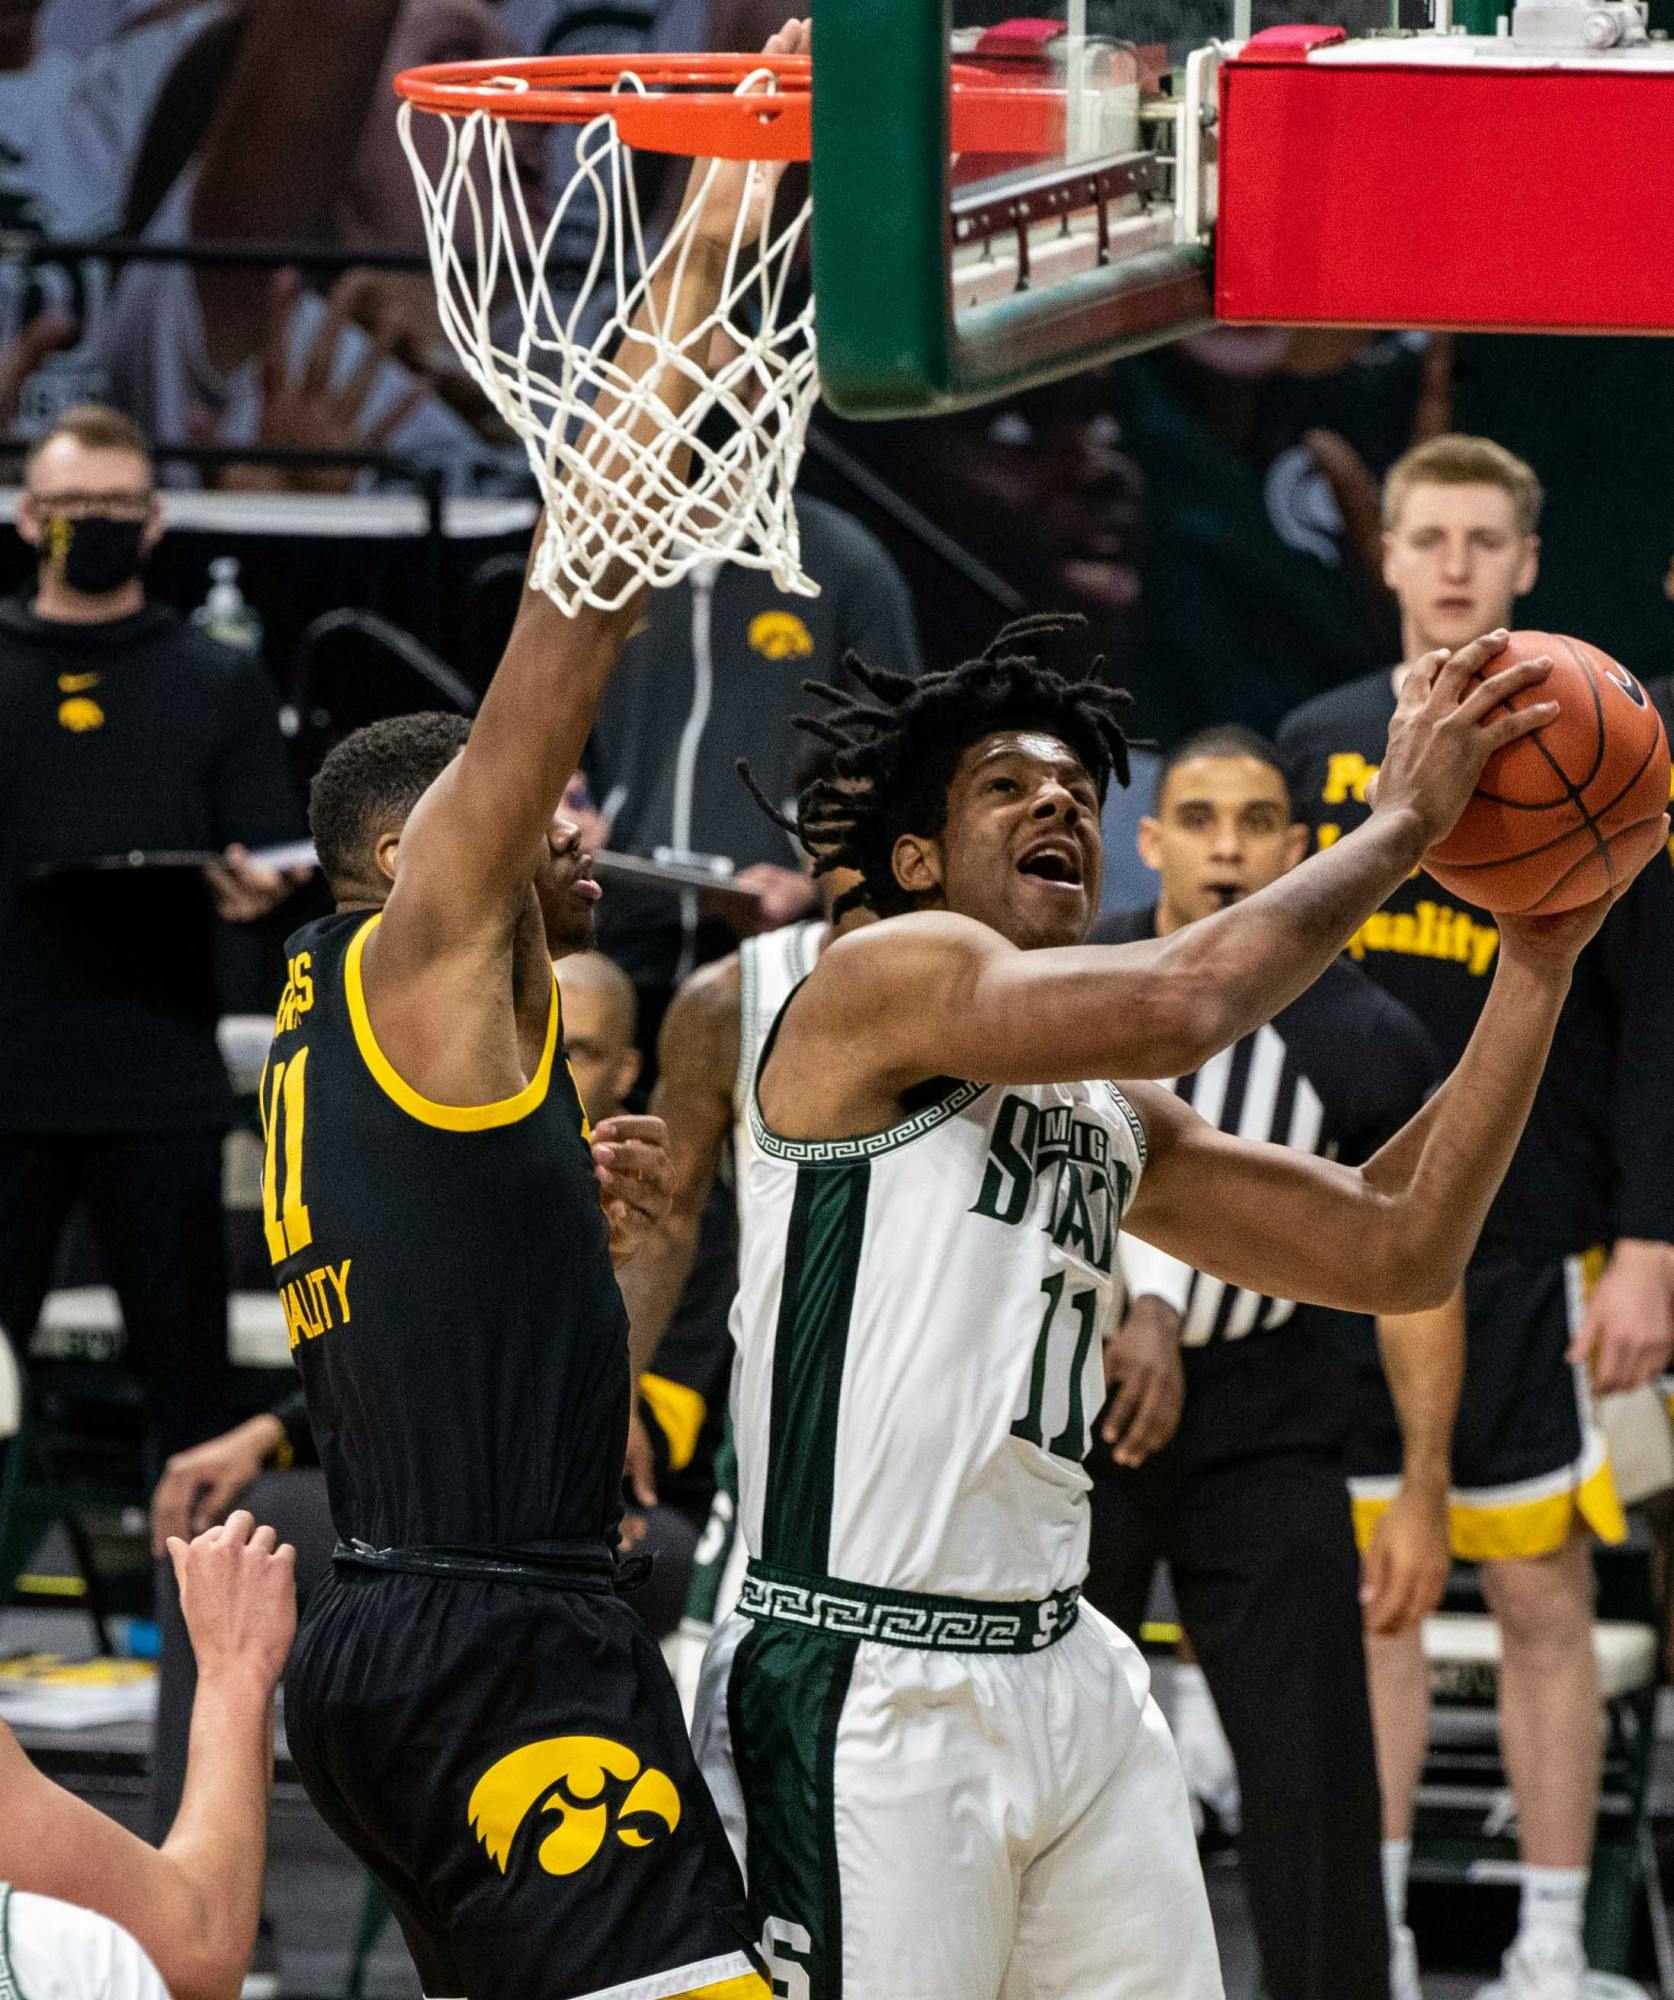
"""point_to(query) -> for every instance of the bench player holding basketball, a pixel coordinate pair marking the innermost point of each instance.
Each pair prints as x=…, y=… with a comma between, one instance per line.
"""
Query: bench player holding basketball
x=473, y=1708
x=946, y=1775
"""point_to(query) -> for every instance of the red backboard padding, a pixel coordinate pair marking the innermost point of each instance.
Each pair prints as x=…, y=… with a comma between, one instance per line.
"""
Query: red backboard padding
x=1385, y=194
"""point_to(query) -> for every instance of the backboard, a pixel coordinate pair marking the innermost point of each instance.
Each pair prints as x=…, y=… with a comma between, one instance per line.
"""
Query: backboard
x=1006, y=191
x=1078, y=228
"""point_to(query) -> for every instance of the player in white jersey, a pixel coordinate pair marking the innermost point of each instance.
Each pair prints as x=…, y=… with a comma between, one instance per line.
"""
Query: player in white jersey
x=707, y=1050
x=945, y=1774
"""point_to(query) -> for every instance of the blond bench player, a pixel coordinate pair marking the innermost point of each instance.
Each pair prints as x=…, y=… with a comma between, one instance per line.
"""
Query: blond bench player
x=947, y=1780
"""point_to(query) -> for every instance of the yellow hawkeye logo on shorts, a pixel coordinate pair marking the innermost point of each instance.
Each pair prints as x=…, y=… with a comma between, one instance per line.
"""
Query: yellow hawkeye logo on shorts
x=591, y=1786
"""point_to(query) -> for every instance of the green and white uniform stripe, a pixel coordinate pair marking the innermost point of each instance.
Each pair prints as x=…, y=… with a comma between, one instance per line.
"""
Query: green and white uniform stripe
x=919, y=1327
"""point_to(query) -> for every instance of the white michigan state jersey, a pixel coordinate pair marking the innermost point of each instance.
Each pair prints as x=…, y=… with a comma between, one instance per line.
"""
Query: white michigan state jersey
x=919, y=1324
x=770, y=969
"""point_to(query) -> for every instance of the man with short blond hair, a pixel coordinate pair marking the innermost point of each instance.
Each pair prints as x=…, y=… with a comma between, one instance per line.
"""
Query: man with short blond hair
x=1532, y=1481
x=1456, y=460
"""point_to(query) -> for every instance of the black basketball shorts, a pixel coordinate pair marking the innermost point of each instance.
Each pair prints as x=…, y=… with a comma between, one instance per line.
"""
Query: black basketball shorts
x=1528, y=1455
x=509, y=1761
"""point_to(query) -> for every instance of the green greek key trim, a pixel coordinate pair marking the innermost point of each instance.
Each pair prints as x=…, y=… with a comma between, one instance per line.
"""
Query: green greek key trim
x=840, y=1152
x=833, y=1605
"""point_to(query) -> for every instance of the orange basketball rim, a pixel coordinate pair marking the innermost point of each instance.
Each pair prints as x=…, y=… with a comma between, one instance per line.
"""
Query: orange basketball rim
x=701, y=105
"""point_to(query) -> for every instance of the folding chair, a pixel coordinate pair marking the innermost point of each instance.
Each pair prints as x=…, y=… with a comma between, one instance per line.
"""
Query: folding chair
x=1465, y=1832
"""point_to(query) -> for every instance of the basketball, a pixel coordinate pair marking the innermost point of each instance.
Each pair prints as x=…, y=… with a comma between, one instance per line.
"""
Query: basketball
x=1563, y=816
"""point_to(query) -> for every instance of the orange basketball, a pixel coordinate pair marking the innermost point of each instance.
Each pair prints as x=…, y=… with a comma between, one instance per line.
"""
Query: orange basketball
x=1560, y=817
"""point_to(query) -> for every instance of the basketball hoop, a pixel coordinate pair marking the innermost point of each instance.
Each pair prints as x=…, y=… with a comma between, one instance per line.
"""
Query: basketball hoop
x=613, y=504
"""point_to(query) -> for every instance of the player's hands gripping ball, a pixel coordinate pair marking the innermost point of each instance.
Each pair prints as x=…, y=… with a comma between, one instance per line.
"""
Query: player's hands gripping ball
x=1451, y=717
x=1567, y=815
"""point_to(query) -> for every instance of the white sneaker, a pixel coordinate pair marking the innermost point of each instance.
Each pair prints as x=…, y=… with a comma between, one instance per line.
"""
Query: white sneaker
x=1540, y=1968
x=1403, y=1966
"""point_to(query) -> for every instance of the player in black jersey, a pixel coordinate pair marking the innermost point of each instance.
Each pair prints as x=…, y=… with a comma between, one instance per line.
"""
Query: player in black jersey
x=1531, y=1477
x=1246, y=1501
x=473, y=1708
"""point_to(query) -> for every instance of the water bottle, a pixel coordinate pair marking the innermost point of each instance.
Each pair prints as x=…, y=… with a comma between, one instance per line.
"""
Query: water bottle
x=225, y=614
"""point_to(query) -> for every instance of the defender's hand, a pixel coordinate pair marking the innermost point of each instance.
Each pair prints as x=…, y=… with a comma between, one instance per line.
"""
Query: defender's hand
x=736, y=182
x=1446, y=727
x=1627, y=1332
x=1142, y=1370
x=636, y=1179
x=238, y=1596
x=198, y=1486
x=1554, y=943
x=1404, y=1570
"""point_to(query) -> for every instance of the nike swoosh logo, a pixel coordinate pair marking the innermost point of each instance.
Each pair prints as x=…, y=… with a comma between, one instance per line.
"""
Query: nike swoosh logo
x=1628, y=685
x=78, y=683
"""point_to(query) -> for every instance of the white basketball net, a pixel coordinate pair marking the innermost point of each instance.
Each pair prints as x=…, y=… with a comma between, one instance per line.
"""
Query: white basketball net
x=541, y=358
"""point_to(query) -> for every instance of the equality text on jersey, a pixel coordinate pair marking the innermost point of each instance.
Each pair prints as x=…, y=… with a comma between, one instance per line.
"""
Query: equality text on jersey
x=1031, y=1143
x=1429, y=930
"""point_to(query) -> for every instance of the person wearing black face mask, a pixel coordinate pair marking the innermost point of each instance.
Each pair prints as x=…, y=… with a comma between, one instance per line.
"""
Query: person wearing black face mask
x=97, y=554
x=122, y=728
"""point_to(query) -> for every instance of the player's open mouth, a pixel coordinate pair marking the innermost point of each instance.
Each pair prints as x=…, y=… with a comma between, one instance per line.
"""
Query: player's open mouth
x=1054, y=861
x=1225, y=894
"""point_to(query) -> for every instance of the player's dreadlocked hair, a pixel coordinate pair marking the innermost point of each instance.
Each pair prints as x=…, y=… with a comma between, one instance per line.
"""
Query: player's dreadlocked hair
x=896, y=747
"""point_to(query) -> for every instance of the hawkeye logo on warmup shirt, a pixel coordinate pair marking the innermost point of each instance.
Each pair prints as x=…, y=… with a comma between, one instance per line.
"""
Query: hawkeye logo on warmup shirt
x=1428, y=930
x=584, y=1789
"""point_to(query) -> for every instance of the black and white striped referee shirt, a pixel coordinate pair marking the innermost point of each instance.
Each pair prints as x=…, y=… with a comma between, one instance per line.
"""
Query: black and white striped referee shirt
x=1339, y=1071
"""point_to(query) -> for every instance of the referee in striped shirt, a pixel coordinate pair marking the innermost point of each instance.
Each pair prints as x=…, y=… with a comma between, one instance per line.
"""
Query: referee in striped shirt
x=1246, y=1498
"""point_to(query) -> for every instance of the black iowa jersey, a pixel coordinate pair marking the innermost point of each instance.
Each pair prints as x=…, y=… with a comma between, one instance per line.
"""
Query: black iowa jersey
x=445, y=1275
x=1593, y=1163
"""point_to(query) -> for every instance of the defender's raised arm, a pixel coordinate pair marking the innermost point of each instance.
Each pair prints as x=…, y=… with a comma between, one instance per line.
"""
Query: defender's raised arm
x=466, y=850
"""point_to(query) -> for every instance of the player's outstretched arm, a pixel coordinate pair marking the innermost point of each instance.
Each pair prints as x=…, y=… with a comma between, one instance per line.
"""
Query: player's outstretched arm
x=951, y=997
x=1395, y=1235
x=193, y=1904
x=467, y=849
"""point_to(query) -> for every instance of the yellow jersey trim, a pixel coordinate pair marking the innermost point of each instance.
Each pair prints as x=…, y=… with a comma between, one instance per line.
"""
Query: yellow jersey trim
x=679, y=1411
x=448, y=1117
